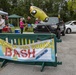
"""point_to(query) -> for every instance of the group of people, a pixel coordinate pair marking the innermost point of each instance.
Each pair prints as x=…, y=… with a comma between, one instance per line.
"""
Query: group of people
x=3, y=26
x=22, y=23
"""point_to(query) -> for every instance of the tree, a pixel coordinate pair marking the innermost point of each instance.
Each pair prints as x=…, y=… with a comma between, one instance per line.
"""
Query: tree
x=5, y=5
x=72, y=8
x=72, y=5
x=51, y=7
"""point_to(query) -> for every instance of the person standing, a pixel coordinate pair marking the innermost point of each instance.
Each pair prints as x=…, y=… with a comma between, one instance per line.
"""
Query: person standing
x=2, y=23
x=21, y=25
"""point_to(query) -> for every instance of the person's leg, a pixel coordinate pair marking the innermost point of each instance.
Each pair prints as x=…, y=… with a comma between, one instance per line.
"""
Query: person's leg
x=0, y=30
x=21, y=30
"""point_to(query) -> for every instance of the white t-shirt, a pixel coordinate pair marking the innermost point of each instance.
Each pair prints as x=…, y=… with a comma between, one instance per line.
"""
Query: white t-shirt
x=2, y=23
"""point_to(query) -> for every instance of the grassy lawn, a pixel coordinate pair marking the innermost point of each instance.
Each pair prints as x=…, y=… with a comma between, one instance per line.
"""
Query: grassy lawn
x=25, y=29
x=29, y=29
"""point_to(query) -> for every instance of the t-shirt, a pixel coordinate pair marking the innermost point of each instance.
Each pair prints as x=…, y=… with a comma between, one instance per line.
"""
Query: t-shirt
x=2, y=23
x=36, y=22
x=21, y=24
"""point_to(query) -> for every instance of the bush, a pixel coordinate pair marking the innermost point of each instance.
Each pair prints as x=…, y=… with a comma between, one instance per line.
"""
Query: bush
x=26, y=29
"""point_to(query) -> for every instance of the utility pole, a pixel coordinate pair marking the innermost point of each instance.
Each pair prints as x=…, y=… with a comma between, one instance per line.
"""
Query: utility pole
x=59, y=11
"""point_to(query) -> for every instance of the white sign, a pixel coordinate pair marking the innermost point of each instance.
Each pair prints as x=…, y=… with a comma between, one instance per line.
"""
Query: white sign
x=39, y=51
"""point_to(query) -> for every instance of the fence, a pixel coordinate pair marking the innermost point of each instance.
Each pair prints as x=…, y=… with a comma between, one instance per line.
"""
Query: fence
x=25, y=40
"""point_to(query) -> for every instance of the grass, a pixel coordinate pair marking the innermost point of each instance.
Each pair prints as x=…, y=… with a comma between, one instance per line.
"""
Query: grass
x=25, y=29
x=30, y=29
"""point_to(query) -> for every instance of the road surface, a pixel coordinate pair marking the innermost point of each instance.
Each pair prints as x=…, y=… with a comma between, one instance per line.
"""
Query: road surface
x=66, y=53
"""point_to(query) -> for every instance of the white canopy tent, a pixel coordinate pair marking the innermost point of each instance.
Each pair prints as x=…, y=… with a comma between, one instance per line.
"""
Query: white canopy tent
x=3, y=13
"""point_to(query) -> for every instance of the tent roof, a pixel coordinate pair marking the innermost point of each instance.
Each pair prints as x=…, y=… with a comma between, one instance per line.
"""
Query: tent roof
x=3, y=13
x=14, y=16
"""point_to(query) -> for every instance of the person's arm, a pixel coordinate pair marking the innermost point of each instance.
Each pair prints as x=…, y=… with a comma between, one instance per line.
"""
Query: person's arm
x=1, y=24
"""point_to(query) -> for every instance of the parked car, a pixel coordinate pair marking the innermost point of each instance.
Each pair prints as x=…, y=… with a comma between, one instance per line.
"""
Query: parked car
x=52, y=26
x=70, y=26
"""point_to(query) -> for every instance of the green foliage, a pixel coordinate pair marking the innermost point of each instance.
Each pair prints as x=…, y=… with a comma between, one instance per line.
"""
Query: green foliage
x=74, y=16
x=28, y=29
x=72, y=5
x=4, y=5
x=51, y=7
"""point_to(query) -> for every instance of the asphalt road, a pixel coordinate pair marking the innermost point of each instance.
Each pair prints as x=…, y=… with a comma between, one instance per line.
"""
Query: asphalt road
x=66, y=53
